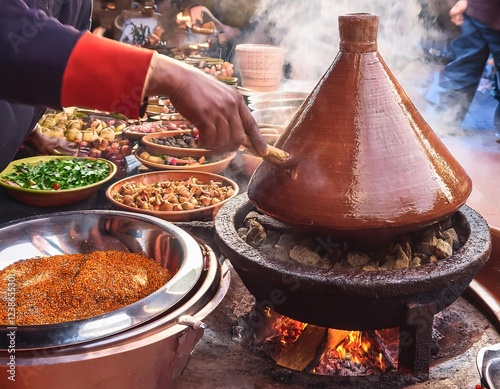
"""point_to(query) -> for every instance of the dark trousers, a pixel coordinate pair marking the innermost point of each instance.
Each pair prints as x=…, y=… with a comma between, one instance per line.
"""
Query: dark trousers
x=460, y=78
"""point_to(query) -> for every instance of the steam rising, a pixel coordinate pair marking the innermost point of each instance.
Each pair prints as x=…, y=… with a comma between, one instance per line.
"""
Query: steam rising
x=309, y=31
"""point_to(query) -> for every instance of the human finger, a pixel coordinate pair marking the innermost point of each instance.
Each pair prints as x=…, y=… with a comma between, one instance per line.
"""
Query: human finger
x=251, y=128
x=457, y=20
x=207, y=134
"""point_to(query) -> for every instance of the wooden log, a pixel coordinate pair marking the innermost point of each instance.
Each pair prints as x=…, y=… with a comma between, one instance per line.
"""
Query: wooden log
x=307, y=349
x=379, y=343
x=335, y=337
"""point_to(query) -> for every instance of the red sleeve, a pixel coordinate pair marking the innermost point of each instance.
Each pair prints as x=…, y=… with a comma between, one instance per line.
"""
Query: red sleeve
x=106, y=75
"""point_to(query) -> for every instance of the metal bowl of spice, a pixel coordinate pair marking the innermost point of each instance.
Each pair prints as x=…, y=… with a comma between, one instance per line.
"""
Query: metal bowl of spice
x=109, y=246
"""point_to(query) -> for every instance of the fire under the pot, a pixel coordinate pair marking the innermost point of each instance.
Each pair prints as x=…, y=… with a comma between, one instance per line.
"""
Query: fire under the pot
x=326, y=351
x=227, y=356
x=366, y=299
x=336, y=353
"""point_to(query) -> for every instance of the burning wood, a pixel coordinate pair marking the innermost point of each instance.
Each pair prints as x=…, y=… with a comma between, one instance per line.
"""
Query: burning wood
x=325, y=351
x=304, y=351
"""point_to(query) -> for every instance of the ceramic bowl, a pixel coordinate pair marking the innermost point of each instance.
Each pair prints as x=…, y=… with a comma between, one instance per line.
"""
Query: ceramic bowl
x=212, y=167
x=166, y=118
x=152, y=109
x=137, y=131
x=133, y=135
x=52, y=198
x=232, y=81
x=149, y=143
x=200, y=214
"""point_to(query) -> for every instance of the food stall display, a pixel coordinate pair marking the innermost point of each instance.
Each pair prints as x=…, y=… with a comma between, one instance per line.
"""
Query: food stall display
x=94, y=134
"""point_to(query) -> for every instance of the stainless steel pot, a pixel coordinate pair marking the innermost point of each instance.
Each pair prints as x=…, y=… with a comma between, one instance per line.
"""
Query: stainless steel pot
x=149, y=355
x=488, y=365
x=87, y=231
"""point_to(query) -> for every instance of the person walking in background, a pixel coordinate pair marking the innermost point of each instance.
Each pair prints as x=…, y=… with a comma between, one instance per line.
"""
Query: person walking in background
x=479, y=39
x=200, y=25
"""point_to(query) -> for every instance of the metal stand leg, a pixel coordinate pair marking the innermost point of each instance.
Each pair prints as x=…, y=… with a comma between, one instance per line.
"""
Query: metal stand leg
x=415, y=340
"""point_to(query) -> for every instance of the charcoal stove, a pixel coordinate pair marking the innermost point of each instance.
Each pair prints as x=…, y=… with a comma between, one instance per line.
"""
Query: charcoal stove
x=404, y=298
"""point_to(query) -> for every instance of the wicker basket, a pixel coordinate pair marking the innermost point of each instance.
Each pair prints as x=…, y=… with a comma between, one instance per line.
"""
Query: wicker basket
x=260, y=66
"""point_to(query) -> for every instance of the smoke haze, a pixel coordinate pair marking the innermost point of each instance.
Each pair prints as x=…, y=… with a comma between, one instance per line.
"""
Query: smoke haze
x=309, y=32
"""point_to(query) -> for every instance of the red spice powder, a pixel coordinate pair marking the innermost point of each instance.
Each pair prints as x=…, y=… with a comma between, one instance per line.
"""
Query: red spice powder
x=70, y=287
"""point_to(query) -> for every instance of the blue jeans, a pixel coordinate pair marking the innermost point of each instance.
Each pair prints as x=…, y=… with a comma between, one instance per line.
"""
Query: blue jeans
x=460, y=78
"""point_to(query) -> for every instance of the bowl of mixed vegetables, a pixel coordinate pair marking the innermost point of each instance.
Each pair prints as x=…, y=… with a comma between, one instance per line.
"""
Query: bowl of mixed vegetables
x=211, y=164
x=179, y=143
x=53, y=181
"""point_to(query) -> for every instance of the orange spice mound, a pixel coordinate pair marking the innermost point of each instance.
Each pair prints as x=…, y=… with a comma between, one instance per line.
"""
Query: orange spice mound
x=68, y=287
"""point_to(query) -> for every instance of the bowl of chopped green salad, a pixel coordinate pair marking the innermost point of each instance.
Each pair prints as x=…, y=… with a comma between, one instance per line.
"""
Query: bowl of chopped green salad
x=54, y=181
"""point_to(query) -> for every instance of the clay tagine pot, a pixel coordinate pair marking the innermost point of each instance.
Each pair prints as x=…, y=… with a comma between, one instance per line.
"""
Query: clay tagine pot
x=364, y=164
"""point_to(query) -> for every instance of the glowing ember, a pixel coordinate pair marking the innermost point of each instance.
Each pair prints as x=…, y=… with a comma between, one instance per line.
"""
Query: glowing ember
x=325, y=351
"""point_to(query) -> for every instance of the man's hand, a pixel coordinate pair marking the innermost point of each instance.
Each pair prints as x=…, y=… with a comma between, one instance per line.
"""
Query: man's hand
x=457, y=12
x=46, y=145
x=217, y=110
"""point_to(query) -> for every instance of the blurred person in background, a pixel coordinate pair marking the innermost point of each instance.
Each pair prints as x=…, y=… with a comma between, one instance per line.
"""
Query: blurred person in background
x=18, y=124
x=479, y=39
x=199, y=24
x=49, y=59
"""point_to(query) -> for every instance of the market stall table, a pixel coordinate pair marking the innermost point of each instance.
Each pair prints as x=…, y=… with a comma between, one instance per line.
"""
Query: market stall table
x=219, y=360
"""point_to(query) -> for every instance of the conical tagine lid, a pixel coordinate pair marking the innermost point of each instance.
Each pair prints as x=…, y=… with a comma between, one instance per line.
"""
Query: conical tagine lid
x=364, y=164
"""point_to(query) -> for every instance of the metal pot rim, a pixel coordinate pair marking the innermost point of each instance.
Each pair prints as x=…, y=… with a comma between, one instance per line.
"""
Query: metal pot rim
x=157, y=303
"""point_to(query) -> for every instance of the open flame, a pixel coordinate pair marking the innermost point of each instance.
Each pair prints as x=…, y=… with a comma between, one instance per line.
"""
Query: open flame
x=326, y=351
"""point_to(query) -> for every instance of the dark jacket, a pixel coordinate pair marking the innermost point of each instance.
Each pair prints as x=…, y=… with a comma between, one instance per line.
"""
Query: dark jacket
x=30, y=71
x=485, y=11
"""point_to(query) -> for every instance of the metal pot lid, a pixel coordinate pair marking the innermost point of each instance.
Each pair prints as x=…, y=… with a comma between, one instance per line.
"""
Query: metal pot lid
x=488, y=365
x=87, y=231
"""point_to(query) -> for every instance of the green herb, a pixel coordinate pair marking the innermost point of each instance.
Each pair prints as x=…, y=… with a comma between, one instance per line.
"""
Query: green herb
x=57, y=174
